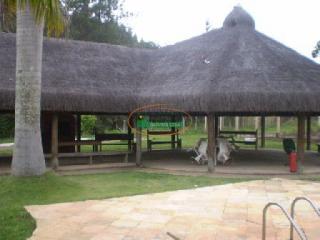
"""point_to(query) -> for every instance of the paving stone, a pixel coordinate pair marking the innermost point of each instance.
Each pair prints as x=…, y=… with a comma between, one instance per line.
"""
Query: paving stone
x=225, y=212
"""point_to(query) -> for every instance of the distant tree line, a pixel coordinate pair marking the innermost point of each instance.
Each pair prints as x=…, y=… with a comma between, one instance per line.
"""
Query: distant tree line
x=100, y=21
x=87, y=20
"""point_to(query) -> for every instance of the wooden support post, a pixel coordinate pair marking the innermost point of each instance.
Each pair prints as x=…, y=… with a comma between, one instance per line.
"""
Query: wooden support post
x=211, y=143
x=236, y=123
x=173, y=136
x=278, y=126
x=196, y=123
x=138, y=145
x=256, y=123
x=308, y=133
x=263, y=131
x=216, y=126
x=78, y=131
x=173, y=139
x=54, y=141
x=300, y=142
x=205, y=124
x=124, y=125
x=221, y=123
x=129, y=141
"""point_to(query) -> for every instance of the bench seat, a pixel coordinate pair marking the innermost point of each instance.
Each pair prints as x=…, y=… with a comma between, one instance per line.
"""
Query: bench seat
x=252, y=140
x=90, y=155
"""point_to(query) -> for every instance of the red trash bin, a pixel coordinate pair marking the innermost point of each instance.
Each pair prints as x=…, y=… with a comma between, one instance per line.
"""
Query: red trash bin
x=293, y=161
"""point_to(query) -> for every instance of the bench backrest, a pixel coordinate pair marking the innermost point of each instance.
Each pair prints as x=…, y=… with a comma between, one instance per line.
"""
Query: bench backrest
x=240, y=132
x=162, y=132
x=114, y=136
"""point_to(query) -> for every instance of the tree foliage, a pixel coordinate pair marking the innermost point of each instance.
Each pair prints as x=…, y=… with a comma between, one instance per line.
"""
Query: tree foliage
x=50, y=10
x=7, y=16
x=88, y=123
x=87, y=20
x=6, y=125
x=316, y=51
x=99, y=21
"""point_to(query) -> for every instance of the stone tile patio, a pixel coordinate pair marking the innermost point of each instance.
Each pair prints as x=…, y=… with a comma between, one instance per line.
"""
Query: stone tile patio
x=225, y=212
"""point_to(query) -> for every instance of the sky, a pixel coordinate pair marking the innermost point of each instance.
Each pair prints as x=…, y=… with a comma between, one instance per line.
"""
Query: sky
x=294, y=23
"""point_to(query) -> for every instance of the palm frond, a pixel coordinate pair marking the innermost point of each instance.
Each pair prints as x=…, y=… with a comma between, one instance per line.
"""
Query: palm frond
x=50, y=11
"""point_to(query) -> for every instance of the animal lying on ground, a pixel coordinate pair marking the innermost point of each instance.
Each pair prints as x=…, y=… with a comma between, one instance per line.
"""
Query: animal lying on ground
x=224, y=149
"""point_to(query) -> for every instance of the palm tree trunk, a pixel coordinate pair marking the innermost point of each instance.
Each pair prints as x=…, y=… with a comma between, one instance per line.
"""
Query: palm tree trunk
x=1, y=16
x=28, y=158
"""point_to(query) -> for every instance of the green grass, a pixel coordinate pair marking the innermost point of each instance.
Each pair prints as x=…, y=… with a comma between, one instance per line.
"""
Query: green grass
x=188, y=141
x=6, y=140
x=190, y=137
x=6, y=152
x=15, y=193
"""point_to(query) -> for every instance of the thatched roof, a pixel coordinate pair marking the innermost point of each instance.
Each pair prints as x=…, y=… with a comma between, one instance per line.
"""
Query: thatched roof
x=234, y=69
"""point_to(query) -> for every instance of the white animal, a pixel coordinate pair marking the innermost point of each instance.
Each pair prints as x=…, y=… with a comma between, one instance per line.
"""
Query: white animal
x=224, y=146
x=201, y=150
x=225, y=149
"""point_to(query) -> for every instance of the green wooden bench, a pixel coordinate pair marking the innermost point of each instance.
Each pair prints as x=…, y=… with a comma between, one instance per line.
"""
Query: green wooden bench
x=174, y=140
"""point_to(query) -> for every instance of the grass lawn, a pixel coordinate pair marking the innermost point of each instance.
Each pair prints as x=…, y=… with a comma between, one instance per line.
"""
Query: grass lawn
x=6, y=152
x=16, y=223
x=6, y=140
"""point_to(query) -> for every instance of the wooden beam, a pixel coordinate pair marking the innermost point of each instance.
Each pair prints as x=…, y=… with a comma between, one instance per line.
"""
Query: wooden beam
x=138, y=145
x=263, y=131
x=54, y=141
x=78, y=131
x=300, y=142
x=308, y=133
x=211, y=143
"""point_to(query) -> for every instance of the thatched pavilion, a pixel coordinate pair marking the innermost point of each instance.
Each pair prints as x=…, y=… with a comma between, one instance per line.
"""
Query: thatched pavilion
x=234, y=70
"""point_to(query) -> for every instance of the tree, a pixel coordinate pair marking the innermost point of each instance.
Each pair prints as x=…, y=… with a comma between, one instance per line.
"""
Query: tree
x=88, y=123
x=99, y=21
x=28, y=158
x=208, y=26
x=316, y=51
x=6, y=125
